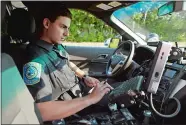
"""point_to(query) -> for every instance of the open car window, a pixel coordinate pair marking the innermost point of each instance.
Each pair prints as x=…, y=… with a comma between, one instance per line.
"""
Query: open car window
x=88, y=30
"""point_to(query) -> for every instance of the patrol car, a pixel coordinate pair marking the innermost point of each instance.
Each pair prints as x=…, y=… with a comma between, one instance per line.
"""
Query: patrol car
x=132, y=59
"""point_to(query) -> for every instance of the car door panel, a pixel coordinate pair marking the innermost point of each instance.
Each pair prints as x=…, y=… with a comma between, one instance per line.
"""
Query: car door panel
x=90, y=59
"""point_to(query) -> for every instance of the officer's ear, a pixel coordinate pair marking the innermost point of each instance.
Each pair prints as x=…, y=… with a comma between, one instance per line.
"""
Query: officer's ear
x=46, y=23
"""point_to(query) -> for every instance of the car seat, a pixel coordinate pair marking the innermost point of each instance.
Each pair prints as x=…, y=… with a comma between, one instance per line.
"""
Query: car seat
x=20, y=29
x=18, y=106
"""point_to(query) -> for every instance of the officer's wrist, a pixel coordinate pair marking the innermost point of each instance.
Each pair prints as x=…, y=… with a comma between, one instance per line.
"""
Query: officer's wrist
x=89, y=100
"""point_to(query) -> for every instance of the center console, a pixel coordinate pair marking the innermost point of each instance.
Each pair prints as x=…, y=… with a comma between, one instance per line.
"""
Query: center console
x=113, y=117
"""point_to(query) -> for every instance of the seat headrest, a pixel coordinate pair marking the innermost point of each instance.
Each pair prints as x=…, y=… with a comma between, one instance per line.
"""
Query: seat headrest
x=21, y=24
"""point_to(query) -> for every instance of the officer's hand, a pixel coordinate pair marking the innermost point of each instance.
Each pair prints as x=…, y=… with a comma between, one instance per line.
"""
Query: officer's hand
x=99, y=91
x=90, y=81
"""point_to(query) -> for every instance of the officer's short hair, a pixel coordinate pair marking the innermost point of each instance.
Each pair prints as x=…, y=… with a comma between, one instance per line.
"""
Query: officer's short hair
x=55, y=11
x=52, y=12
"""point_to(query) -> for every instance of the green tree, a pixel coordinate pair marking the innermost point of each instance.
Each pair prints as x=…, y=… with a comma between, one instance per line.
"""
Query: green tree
x=87, y=28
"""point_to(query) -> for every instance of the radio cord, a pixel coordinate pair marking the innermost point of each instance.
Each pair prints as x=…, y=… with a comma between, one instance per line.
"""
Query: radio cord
x=163, y=115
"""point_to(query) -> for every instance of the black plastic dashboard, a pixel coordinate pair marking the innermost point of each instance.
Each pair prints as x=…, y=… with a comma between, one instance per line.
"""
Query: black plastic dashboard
x=142, y=53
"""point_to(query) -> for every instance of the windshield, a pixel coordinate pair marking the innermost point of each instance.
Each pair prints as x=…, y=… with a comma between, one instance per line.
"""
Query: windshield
x=142, y=19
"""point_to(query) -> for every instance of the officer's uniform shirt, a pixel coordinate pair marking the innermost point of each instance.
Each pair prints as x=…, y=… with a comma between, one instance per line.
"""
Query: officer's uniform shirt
x=47, y=74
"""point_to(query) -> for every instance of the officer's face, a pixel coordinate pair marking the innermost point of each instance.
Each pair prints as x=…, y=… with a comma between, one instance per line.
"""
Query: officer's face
x=59, y=29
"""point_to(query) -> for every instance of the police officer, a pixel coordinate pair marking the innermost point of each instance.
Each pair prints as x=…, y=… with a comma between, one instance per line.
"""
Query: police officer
x=49, y=74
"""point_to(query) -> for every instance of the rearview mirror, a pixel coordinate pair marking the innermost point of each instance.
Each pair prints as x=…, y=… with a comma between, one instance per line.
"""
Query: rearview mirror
x=166, y=8
x=172, y=6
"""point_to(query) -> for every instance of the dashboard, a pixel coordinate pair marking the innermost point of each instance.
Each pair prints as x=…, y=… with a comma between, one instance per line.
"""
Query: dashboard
x=173, y=79
x=171, y=84
x=174, y=75
x=120, y=114
x=128, y=107
x=141, y=53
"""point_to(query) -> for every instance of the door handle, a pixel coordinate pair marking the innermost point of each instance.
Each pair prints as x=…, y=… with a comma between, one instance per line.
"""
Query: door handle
x=102, y=56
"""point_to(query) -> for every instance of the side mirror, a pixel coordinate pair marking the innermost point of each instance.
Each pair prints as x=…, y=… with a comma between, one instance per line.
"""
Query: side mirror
x=114, y=43
x=172, y=6
x=107, y=42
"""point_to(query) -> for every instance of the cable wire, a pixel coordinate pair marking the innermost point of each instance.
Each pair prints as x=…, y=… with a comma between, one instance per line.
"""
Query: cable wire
x=163, y=115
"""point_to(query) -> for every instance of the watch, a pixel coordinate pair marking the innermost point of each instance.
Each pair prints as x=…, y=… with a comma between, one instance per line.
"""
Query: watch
x=83, y=78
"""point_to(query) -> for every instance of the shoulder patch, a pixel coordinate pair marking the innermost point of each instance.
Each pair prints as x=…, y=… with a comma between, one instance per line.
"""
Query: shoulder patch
x=32, y=73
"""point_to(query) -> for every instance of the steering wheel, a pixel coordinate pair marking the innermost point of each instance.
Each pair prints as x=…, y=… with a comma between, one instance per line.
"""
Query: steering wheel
x=118, y=61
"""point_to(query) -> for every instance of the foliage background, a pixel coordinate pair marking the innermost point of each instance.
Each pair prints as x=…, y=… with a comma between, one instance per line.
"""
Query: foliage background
x=87, y=28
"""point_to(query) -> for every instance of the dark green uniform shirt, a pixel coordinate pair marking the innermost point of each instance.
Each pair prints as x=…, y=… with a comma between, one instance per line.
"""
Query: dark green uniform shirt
x=47, y=73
